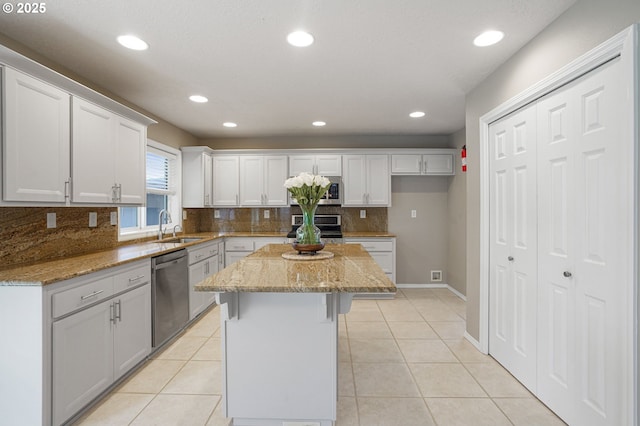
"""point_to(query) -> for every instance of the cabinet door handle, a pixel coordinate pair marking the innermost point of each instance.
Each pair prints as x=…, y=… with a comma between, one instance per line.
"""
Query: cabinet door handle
x=119, y=192
x=139, y=277
x=112, y=314
x=237, y=202
x=567, y=274
x=95, y=293
x=118, y=310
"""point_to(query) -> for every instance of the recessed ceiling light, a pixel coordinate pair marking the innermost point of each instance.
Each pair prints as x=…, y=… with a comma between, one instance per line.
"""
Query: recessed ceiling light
x=229, y=124
x=319, y=123
x=132, y=42
x=417, y=114
x=300, y=39
x=198, y=98
x=488, y=38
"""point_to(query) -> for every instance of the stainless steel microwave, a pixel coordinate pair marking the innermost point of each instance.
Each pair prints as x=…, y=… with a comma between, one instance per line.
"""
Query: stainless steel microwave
x=333, y=195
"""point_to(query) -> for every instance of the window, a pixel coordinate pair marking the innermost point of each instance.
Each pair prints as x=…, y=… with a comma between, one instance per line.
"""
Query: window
x=163, y=192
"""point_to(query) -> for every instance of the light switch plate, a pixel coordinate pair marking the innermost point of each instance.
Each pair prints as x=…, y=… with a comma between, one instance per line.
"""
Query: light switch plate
x=114, y=218
x=93, y=219
x=184, y=215
x=414, y=214
x=266, y=214
x=216, y=214
x=51, y=220
x=363, y=214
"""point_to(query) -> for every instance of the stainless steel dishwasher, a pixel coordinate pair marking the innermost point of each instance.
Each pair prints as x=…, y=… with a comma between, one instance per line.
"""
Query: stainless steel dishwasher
x=169, y=295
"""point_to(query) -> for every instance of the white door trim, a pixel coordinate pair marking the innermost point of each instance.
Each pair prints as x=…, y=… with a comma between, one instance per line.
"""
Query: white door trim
x=625, y=44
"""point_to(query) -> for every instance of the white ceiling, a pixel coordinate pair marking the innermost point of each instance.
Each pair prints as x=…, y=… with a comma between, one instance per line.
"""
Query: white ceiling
x=372, y=63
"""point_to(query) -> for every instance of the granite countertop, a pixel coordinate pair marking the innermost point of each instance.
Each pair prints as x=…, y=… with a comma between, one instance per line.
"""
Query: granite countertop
x=351, y=270
x=368, y=234
x=48, y=272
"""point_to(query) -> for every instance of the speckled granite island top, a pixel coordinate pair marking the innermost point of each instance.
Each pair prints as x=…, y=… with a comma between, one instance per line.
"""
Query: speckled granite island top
x=351, y=270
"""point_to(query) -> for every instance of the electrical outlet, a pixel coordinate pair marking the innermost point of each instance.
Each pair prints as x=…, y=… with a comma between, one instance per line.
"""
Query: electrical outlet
x=114, y=218
x=184, y=215
x=51, y=220
x=216, y=214
x=266, y=214
x=363, y=214
x=93, y=219
x=414, y=214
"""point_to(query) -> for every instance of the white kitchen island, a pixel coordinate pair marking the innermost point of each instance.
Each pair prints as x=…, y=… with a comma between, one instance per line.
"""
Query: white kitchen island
x=279, y=324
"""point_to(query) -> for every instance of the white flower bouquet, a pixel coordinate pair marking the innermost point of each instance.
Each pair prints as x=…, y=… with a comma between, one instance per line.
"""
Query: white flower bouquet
x=308, y=189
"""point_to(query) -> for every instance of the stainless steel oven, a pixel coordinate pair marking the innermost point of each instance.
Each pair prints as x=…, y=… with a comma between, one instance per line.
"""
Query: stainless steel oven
x=333, y=195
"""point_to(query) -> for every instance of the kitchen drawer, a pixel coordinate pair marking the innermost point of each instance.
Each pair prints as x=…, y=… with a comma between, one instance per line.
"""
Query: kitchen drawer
x=384, y=260
x=83, y=295
x=132, y=277
x=239, y=244
x=373, y=245
x=201, y=252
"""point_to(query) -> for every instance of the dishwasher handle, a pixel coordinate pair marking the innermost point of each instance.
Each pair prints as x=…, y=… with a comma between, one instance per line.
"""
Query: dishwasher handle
x=171, y=263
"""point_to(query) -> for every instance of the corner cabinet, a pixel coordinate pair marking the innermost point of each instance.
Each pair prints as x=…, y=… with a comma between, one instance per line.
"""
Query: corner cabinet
x=366, y=180
x=262, y=180
x=423, y=164
x=108, y=161
x=197, y=177
x=35, y=161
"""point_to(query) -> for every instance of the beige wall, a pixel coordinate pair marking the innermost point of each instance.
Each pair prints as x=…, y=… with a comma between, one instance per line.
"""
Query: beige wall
x=422, y=243
x=162, y=132
x=457, y=215
x=578, y=30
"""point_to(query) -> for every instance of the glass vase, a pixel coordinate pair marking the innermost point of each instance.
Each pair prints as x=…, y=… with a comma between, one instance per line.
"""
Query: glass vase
x=308, y=232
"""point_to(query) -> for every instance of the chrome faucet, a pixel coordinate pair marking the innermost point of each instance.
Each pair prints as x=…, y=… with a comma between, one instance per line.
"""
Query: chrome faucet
x=167, y=217
x=174, y=229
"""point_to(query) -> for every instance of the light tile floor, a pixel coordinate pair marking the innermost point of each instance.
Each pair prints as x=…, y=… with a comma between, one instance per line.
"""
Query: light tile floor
x=401, y=362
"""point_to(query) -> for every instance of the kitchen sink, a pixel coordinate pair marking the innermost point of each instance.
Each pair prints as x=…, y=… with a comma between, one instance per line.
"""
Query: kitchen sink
x=180, y=240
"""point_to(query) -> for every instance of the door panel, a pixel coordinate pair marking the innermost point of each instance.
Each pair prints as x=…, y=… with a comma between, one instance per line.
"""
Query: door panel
x=582, y=309
x=513, y=254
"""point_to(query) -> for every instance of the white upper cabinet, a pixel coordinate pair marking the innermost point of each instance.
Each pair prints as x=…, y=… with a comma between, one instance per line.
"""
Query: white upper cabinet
x=108, y=156
x=325, y=164
x=262, y=180
x=226, y=180
x=36, y=155
x=422, y=164
x=130, y=161
x=197, y=177
x=366, y=180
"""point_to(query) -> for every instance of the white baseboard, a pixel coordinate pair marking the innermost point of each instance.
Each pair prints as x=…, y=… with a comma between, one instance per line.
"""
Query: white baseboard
x=439, y=285
x=473, y=341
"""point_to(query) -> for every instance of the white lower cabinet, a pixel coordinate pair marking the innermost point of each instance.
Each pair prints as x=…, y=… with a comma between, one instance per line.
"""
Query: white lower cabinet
x=96, y=345
x=382, y=250
x=204, y=261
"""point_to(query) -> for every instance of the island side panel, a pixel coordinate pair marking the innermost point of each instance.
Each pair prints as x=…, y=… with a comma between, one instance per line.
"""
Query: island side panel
x=280, y=357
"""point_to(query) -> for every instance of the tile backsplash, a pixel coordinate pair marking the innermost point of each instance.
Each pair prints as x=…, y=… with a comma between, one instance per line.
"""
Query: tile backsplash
x=26, y=238
x=252, y=220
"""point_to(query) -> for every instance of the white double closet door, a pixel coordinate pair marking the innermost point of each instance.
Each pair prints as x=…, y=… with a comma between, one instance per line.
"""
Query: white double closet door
x=557, y=294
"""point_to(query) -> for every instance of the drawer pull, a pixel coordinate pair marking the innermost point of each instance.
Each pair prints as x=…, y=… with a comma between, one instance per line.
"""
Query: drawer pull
x=198, y=256
x=95, y=293
x=139, y=277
